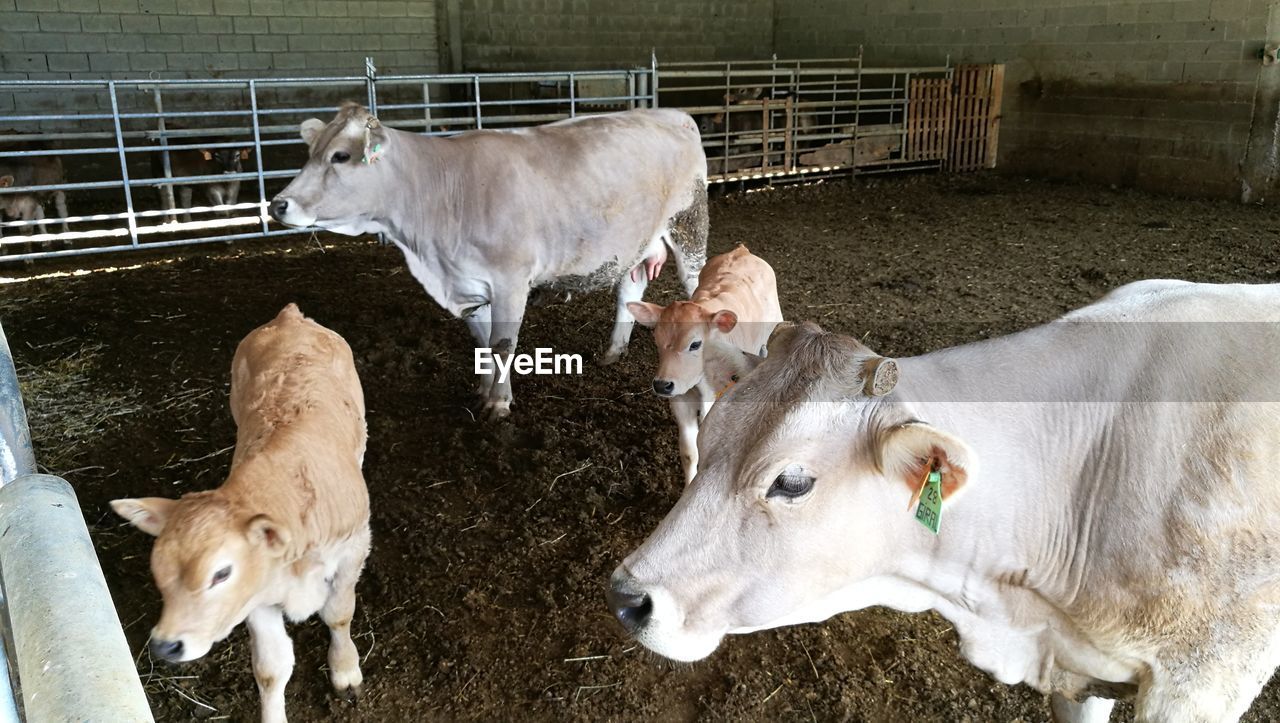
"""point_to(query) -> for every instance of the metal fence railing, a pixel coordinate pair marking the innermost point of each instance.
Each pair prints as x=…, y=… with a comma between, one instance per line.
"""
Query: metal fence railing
x=149, y=164
x=63, y=654
x=163, y=163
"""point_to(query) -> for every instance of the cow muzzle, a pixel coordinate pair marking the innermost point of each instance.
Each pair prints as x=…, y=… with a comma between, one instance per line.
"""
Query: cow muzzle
x=654, y=618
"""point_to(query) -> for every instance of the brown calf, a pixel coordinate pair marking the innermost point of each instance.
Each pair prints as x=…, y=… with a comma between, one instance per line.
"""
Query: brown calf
x=288, y=532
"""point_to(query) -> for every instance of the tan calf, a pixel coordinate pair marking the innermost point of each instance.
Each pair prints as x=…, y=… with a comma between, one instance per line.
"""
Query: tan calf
x=288, y=532
x=705, y=344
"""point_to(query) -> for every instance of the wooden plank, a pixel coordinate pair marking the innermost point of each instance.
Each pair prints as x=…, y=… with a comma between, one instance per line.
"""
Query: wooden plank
x=994, y=114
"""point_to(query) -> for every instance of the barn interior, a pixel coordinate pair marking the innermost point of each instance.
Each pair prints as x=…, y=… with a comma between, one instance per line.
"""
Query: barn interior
x=919, y=173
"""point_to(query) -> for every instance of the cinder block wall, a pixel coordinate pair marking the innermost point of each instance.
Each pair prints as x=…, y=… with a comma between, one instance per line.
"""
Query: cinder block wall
x=1157, y=93
x=60, y=39
x=577, y=34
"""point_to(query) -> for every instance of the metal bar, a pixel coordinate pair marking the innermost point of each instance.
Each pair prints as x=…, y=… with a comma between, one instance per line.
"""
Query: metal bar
x=124, y=163
x=479, y=107
x=167, y=189
x=371, y=81
x=73, y=662
x=153, y=245
x=257, y=152
x=573, y=104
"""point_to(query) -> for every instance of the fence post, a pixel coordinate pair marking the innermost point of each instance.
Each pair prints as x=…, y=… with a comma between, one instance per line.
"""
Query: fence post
x=167, y=189
x=257, y=150
x=371, y=84
x=124, y=164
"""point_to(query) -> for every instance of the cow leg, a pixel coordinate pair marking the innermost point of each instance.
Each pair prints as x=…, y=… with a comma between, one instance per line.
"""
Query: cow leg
x=478, y=323
x=167, y=201
x=1091, y=710
x=629, y=289
x=184, y=194
x=37, y=212
x=233, y=193
x=272, y=659
x=686, y=268
x=214, y=193
x=344, y=659
x=685, y=409
x=60, y=202
x=506, y=314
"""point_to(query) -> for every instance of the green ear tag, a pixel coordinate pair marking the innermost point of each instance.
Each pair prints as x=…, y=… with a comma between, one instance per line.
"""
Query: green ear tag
x=929, y=511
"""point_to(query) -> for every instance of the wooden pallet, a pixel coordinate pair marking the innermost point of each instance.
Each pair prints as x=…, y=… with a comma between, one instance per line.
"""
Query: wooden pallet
x=956, y=121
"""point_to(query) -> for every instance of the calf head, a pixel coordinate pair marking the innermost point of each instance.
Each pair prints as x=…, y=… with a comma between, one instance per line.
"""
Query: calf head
x=808, y=468
x=212, y=561
x=228, y=160
x=681, y=332
x=337, y=189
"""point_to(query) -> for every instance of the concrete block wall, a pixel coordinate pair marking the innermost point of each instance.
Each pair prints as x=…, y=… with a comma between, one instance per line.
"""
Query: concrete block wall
x=61, y=39
x=579, y=34
x=1157, y=93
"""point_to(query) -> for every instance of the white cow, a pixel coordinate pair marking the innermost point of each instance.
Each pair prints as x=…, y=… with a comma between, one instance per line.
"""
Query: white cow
x=1118, y=534
x=485, y=217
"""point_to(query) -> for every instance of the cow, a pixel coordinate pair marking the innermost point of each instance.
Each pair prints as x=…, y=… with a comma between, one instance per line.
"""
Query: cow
x=485, y=216
x=188, y=162
x=288, y=532
x=1101, y=498
x=24, y=171
x=706, y=344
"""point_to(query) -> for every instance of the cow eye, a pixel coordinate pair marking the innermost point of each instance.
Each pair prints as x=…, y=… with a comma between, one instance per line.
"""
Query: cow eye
x=221, y=576
x=695, y=346
x=791, y=486
x=340, y=157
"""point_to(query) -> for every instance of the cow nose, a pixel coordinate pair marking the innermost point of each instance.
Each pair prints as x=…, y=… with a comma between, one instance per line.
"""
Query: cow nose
x=278, y=208
x=632, y=609
x=663, y=387
x=170, y=650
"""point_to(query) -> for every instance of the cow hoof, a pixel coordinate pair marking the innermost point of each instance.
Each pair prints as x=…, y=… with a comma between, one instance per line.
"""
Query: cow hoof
x=494, y=411
x=351, y=693
x=612, y=356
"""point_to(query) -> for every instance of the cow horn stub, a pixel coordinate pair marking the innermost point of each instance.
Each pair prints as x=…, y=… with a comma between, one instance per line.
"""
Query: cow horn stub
x=879, y=375
x=372, y=123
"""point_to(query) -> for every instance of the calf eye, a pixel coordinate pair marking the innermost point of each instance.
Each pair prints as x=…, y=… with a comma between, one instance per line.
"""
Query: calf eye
x=340, y=157
x=790, y=486
x=221, y=576
x=695, y=346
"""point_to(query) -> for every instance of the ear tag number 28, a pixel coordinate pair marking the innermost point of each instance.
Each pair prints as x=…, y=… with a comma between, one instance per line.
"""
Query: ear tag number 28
x=929, y=511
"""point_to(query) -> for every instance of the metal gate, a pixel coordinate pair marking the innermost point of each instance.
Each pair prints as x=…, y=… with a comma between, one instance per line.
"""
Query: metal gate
x=153, y=164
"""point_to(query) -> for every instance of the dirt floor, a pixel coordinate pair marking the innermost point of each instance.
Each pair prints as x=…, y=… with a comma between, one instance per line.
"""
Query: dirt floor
x=483, y=598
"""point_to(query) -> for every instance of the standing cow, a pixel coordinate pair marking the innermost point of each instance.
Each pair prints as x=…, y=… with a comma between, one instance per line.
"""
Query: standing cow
x=706, y=344
x=1118, y=534
x=485, y=217
x=288, y=532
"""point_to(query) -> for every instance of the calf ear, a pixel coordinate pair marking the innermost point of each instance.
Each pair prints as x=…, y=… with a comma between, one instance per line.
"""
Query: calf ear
x=262, y=530
x=6, y=181
x=146, y=513
x=311, y=129
x=645, y=313
x=724, y=320
x=208, y=155
x=908, y=452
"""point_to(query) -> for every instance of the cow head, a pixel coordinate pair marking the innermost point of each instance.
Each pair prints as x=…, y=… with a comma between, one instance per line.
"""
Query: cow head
x=212, y=561
x=801, y=503
x=229, y=160
x=682, y=331
x=334, y=190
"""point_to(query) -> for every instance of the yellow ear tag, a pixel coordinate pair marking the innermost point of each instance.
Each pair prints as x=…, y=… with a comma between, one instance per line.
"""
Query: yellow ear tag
x=929, y=511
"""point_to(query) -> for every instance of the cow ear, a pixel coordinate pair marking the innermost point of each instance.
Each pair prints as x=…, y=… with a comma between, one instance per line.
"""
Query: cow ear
x=262, y=530
x=208, y=155
x=724, y=321
x=645, y=313
x=908, y=452
x=6, y=181
x=148, y=514
x=879, y=376
x=311, y=129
